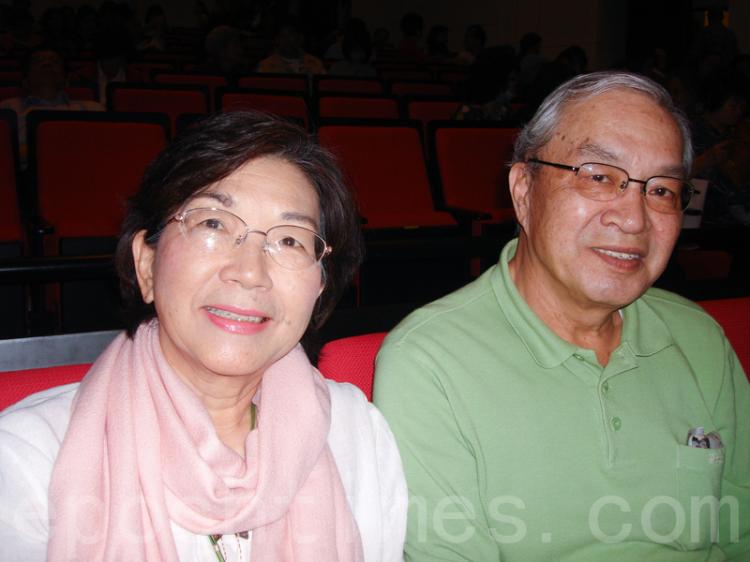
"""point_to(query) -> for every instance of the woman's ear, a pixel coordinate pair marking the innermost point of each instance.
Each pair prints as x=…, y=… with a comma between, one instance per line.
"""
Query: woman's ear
x=143, y=260
x=520, y=183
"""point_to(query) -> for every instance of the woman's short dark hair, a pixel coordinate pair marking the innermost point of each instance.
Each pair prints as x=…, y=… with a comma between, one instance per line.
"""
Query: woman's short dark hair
x=210, y=150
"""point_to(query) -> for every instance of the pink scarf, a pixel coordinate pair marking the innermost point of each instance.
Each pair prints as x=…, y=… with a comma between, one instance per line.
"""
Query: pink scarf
x=141, y=451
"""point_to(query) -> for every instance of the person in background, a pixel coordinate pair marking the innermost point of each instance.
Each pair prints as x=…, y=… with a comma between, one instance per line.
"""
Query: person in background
x=357, y=50
x=412, y=28
x=545, y=411
x=289, y=57
x=475, y=39
x=45, y=80
x=437, y=44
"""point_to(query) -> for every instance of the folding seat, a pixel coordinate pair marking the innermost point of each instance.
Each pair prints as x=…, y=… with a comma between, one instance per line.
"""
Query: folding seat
x=172, y=99
x=470, y=161
x=11, y=75
x=734, y=316
x=386, y=165
x=270, y=81
x=354, y=106
x=425, y=88
x=12, y=297
x=211, y=81
x=8, y=91
x=414, y=253
x=84, y=166
x=352, y=360
x=279, y=102
x=394, y=73
x=341, y=84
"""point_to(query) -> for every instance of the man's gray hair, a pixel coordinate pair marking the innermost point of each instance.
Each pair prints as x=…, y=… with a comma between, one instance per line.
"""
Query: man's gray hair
x=538, y=132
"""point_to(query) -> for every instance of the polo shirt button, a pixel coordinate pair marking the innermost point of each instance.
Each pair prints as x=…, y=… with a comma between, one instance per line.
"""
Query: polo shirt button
x=605, y=387
x=616, y=424
x=578, y=356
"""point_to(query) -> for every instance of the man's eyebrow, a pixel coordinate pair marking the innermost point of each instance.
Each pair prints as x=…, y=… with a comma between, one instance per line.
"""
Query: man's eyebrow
x=300, y=217
x=607, y=156
x=598, y=151
x=224, y=198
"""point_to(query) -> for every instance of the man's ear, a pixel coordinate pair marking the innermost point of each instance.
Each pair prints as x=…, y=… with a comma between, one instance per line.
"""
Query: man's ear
x=143, y=259
x=520, y=183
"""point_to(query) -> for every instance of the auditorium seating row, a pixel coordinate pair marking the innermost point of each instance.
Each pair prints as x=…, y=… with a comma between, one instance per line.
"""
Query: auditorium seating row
x=348, y=359
x=414, y=100
x=83, y=166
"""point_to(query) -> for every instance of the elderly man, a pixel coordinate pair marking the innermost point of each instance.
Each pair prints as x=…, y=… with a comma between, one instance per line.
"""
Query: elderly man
x=558, y=408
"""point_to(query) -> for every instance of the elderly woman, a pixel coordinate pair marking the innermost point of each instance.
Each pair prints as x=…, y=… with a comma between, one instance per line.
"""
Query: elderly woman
x=204, y=433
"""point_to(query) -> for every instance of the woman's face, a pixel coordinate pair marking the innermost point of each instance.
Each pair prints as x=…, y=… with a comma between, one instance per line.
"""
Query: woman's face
x=237, y=312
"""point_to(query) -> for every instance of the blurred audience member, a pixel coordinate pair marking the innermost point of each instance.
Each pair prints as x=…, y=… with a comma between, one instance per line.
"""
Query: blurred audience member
x=154, y=35
x=490, y=86
x=225, y=52
x=715, y=39
x=437, y=44
x=112, y=53
x=720, y=146
x=45, y=79
x=530, y=59
x=289, y=56
x=474, y=41
x=357, y=51
x=412, y=27
x=381, y=43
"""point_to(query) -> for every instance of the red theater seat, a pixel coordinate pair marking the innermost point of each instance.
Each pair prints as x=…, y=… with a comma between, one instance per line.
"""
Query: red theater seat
x=472, y=165
x=352, y=360
x=734, y=317
x=386, y=165
x=357, y=107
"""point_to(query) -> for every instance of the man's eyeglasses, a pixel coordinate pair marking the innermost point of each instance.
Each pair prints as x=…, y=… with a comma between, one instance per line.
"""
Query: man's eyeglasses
x=216, y=231
x=603, y=182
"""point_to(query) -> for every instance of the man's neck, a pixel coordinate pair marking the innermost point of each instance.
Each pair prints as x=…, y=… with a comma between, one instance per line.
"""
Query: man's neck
x=595, y=328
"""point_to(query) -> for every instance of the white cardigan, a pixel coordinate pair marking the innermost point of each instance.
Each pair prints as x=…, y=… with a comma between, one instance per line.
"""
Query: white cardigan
x=363, y=447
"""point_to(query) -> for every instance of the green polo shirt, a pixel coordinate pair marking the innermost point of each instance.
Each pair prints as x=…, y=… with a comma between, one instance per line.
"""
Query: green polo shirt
x=518, y=445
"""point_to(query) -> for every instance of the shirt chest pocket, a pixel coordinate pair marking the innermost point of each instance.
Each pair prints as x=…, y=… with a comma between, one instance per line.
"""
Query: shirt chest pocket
x=699, y=473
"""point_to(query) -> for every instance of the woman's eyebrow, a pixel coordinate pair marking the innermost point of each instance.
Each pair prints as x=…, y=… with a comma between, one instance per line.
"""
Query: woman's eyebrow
x=224, y=198
x=300, y=217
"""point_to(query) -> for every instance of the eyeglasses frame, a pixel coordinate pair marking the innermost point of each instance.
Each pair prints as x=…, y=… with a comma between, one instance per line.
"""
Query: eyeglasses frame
x=180, y=219
x=623, y=187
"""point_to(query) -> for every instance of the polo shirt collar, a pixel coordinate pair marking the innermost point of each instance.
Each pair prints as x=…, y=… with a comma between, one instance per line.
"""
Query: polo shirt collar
x=643, y=332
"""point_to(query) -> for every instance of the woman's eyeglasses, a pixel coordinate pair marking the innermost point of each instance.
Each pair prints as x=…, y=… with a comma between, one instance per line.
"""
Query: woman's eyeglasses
x=217, y=231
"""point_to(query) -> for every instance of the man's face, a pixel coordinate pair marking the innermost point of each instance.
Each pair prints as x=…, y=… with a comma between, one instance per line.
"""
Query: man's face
x=601, y=254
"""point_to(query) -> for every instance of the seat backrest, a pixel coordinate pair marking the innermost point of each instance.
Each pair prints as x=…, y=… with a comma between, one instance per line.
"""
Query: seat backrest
x=8, y=91
x=140, y=71
x=472, y=164
x=426, y=110
x=285, y=104
x=172, y=99
x=16, y=385
x=287, y=82
x=352, y=360
x=357, y=107
x=211, y=81
x=10, y=221
x=734, y=317
x=385, y=163
x=339, y=85
x=86, y=164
